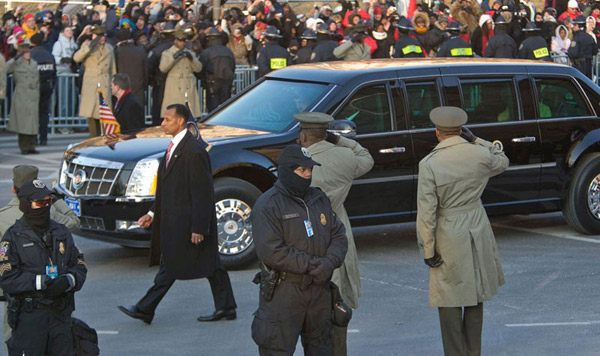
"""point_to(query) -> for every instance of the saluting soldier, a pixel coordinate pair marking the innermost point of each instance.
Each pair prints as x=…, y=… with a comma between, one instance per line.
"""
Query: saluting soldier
x=180, y=64
x=406, y=46
x=583, y=47
x=99, y=61
x=534, y=46
x=272, y=56
x=453, y=231
x=301, y=241
x=342, y=160
x=355, y=48
x=454, y=46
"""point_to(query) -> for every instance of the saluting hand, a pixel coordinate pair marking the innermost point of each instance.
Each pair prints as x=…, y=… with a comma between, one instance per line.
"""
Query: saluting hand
x=145, y=221
x=197, y=238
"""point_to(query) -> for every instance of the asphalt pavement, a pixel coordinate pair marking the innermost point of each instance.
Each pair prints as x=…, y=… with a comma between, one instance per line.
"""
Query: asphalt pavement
x=549, y=305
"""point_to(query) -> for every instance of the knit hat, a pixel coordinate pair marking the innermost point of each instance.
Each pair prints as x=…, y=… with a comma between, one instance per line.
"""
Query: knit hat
x=27, y=17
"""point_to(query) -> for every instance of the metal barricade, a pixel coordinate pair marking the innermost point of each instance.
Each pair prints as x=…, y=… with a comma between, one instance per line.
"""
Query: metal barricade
x=561, y=59
x=64, y=112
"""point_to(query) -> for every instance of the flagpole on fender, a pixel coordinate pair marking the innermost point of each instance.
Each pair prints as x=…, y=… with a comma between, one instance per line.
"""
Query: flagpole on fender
x=100, y=121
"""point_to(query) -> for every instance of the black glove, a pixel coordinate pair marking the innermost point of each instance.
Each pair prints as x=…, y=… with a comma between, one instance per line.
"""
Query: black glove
x=467, y=135
x=66, y=60
x=56, y=287
x=188, y=55
x=178, y=54
x=94, y=42
x=355, y=38
x=322, y=271
x=434, y=261
x=332, y=138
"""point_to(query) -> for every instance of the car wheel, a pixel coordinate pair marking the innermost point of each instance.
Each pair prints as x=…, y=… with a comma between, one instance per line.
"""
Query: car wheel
x=582, y=205
x=234, y=199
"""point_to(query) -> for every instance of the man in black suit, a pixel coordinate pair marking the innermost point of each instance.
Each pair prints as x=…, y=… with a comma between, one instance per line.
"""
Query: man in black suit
x=128, y=110
x=184, y=231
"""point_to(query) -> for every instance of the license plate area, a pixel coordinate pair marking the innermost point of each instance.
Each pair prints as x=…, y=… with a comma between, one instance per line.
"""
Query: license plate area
x=74, y=204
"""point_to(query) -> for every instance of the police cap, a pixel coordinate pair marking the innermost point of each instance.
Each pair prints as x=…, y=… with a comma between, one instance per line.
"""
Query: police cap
x=448, y=117
x=309, y=34
x=214, y=32
x=360, y=28
x=500, y=20
x=33, y=190
x=453, y=27
x=323, y=28
x=181, y=35
x=579, y=20
x=97, y=30
x=23, y=173
x=313, y=120
x=296, y=155
x=272, y=32
x=530, y=27
x=404, y=24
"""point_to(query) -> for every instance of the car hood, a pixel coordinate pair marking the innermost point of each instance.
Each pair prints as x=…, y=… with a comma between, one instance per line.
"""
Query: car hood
x=131, y=147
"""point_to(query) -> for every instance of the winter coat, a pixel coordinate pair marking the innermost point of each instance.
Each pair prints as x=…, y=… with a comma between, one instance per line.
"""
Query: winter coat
x=100, y=66
x=240, y=50
x=131, y=60
x=452, y=222
x=350, y=51
x=340, y=165
x=180, y=80
x=63, y=48
x=466, y=16
x=560, y=46
x=2, y=77
x=24, y=118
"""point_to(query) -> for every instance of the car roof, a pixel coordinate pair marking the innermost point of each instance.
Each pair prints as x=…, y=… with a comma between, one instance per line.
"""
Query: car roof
x=340, y=72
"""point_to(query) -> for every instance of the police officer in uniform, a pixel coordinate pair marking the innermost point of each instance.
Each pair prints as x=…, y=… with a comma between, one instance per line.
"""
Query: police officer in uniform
x=355, y=48
x=305, y=52
x=454, y=46
x=157, y=78
x=534, y=46
x=47, y=69
x=323, y=51
x=218, y=70
x=300, y=239
x=40, y=269
x=272, y=56
x=583, y=47
x=453, y=231
x=501, y=45
x=342, y=160
x=406, y=46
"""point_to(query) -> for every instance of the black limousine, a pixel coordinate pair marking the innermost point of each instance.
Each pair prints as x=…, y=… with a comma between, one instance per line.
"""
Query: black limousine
x=545, y=115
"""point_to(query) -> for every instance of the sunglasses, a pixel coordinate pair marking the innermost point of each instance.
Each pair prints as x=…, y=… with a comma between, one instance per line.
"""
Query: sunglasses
x=36, y=204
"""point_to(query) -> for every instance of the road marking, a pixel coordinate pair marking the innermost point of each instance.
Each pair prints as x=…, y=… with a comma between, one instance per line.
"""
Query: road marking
x=573, y=323
x=107, y=332
x=394, y=284
x=544, y=232
x=353, y=331
x=32, y=157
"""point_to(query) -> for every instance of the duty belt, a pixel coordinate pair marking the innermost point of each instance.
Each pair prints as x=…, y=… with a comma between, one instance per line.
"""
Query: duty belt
x=304, y=279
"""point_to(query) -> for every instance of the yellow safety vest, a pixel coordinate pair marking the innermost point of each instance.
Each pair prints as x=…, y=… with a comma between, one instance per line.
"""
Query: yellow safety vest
x=461, y=52
x=278, y=63
x=411, y=49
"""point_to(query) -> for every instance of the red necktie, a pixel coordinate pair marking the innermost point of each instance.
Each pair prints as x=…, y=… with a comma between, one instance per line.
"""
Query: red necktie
x=169, y=153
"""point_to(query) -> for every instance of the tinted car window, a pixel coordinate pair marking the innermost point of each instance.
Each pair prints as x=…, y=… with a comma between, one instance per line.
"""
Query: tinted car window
x=422, y=98
x=489, y=100
x=369, y=109
x=559, y=98
x=270, y=106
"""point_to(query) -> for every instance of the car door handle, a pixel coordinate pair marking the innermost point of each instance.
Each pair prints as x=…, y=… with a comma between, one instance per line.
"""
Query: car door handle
x=524, y=139
x=393, y=150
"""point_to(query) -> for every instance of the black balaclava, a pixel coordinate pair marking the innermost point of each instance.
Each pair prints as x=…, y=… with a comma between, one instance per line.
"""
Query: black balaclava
x=295, y=184
x=38, y=219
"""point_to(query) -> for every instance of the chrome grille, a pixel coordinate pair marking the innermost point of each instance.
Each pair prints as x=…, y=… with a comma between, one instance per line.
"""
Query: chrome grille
x=92, y=223
x=84, y=176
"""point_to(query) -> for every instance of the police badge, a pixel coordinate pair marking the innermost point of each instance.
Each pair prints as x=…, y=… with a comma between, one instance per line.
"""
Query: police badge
x=61, y=248
x=323, y=220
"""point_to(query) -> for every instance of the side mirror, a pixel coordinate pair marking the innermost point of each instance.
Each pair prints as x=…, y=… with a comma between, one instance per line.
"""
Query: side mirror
x=344, y=128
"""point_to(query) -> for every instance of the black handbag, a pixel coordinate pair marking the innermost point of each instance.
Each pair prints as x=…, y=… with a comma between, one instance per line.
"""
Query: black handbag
x=85, y=338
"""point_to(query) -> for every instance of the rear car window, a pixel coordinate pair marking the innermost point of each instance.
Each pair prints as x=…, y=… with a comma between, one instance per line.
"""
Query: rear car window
x=369, y=109
x=270, y=106
x=489, y=100
x=560, y=98
x=422, y=98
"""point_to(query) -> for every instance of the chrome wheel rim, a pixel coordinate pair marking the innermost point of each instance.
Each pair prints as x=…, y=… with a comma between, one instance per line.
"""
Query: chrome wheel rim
x=234, y=226
x=593, y=197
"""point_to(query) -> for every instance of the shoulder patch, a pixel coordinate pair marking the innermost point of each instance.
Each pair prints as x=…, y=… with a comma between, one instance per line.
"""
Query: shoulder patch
x=5, y=267
x=4, y=245
x=312, y=56
x=573, y=43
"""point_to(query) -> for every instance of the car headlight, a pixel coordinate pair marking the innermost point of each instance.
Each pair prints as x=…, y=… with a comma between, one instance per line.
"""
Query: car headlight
x=142, y=181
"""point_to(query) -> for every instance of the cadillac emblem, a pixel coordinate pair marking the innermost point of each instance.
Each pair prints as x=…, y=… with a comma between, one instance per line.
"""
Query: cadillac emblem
x=79, y=178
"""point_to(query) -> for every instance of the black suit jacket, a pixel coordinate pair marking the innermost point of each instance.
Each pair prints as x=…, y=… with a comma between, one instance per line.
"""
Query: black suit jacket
x=184, y=204
x=129, y=113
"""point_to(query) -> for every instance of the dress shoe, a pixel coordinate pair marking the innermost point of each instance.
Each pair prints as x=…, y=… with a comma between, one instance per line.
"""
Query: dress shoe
x=228, y=314
x=136, y=314
x=33, y=152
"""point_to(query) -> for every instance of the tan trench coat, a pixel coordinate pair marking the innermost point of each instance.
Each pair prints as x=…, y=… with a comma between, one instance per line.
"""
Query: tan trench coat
x=24, y=118
x=180, y=80
x=350, y=51
x=340, y=165
x=2, y=78
x=452, y=221
x=100, y=66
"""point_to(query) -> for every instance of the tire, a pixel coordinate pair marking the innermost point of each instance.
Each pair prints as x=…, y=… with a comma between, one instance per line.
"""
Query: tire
x=582, y=206
x=234, y=199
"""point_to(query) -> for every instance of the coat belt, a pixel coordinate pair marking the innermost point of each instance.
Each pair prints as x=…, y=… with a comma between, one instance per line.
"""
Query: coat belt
x=459, y=209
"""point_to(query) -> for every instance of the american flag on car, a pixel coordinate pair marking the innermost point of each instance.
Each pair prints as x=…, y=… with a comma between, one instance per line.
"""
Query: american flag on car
x=110, y=126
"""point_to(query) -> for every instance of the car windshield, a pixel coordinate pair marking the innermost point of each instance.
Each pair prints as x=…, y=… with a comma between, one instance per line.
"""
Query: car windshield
x=269, y=106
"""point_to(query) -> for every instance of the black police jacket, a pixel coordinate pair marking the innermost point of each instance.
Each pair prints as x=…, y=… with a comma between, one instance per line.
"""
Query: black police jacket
x=218, y=63
x=304, y=54
x=323, y=51
x=271, y=57
x=501, y=45
x=583, y=49
x=535, y=47
x=155, y=76
x=280, y=234
x=46, y=67
x=24, y=256
x=455, y=47
x=408, y=47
